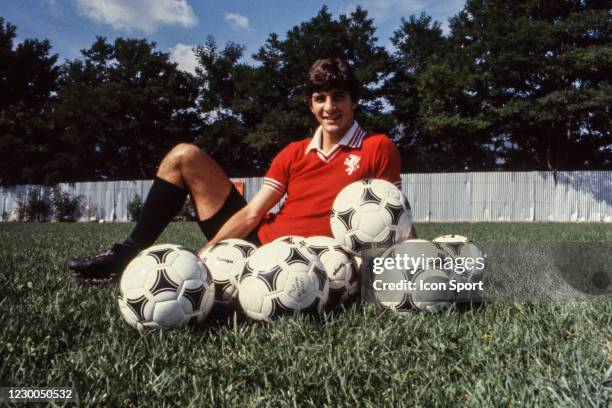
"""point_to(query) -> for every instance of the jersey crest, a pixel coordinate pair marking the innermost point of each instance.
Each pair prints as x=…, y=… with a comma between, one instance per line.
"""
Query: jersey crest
x=352, y=163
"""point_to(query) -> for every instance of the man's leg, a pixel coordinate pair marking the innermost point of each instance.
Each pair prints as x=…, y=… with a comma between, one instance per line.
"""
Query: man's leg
x=186, y=168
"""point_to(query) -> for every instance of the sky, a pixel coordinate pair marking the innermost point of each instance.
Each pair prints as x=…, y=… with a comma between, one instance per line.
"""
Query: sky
x=178, y=25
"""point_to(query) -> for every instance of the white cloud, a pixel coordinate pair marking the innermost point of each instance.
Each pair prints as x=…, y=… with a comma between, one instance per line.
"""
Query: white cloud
x=183, y=55
x=143, y=15
x=237, y=21
x=382, y=10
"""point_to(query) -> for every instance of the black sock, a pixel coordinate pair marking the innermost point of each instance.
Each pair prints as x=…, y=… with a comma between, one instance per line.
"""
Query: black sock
x=163, y=202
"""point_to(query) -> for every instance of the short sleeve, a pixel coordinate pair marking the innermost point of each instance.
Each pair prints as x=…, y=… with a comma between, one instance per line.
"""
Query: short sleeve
x=278, y=174
x=388, y=162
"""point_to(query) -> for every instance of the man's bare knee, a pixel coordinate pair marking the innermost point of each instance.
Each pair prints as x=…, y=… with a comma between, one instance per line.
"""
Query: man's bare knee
x=187, y=152
x=171, y=167
x=186, y=165
x=180, y=154
x=201, y=175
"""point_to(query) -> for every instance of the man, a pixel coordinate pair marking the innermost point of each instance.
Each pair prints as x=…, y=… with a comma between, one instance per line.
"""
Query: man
x=311, y=172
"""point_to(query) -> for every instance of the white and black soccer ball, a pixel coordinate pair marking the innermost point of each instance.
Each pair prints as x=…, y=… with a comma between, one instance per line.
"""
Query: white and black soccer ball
x=370, y=213
x=225, y=261
x=418, y=261
x=472, y=266
x=165, y=286
x=282, y=278
x=292, y=239
x=341, y=269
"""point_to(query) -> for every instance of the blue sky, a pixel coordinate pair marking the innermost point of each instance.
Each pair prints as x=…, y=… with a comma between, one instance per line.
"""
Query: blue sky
x=177, y=25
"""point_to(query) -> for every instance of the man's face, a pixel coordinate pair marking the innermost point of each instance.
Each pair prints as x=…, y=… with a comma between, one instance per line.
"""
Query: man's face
x=334, y=111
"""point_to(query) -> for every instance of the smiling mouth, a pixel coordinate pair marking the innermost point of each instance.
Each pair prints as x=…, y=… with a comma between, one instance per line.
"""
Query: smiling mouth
x=332, y=119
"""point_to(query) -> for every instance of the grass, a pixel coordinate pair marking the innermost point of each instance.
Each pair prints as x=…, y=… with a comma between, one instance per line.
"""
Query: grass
x=56, y=334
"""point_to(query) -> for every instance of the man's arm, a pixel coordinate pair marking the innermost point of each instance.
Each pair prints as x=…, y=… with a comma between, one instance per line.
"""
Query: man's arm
x=245, y=220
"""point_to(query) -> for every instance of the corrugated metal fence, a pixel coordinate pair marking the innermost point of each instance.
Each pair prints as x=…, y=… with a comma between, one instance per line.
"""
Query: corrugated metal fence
x=493, y=196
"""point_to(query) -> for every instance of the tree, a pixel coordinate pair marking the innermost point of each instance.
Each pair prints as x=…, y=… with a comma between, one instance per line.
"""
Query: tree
x=224, y=129
x=541, y=69
x=521, y=85
x=28, y=78
x=432, y=93
x=121, y=108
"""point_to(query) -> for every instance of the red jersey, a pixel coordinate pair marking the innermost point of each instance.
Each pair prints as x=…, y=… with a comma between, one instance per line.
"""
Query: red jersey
x=313, y=178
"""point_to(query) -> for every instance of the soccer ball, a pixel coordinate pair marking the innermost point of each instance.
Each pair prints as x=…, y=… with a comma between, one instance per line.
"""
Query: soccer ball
x=461, y=249
x=292, y=239
x=417, y=278
x=282, y=278
x=370, y=213
x=225, y=260
x=340, y=266
x=165, y=286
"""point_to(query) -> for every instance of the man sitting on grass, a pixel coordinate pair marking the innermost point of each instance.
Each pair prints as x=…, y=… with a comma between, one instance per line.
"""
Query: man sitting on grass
x=311, y=172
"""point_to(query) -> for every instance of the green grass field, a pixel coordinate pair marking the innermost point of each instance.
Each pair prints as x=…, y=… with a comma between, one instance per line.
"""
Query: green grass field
x=54, y=333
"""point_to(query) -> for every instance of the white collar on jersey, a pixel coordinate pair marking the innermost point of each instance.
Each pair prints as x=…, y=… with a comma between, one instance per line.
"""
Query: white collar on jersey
x=352, y=138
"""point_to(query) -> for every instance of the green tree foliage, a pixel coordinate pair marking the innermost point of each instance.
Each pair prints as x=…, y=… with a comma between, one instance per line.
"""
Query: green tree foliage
x=263, y=106
x=66, y=206
x=514, y=84
x=121, y=108
x=545, y=69
x=519, y=84
x=427, y=138
x=28, y=76
x=224, y=129
x=134, y=208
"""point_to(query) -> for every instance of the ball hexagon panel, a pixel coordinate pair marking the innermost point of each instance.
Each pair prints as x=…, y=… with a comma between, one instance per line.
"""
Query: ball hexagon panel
x=136, y=273
x=348, y=197
x=269, y=256
x=299, y=284
x=189, y=266
x=168, y=313
x=370, y=221
x=252, y=293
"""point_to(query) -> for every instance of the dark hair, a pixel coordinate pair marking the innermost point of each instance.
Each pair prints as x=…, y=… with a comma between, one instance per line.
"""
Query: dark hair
x=331, y=73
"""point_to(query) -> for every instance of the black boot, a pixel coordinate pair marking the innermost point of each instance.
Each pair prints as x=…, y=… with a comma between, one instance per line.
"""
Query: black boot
x=104, y=267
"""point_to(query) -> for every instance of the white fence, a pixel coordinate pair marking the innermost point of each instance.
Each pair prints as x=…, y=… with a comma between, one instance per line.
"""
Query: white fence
x=493, y=196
